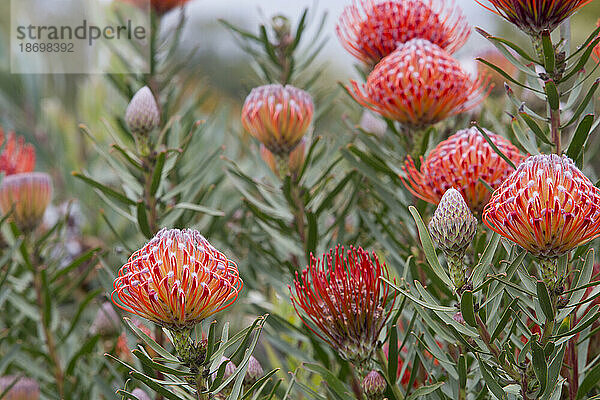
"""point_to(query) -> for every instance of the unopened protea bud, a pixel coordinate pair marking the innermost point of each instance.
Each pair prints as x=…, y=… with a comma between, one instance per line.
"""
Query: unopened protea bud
x=453, y=227
x=254, y=372
x=374, y=385
x=140, y=394
x=458, y=318
x=142, y=115
x=26, y=197
x=23, y=389
x=106, y=322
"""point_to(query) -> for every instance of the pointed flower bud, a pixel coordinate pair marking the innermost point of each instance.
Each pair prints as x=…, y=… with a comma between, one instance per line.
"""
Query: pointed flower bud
x=177, y=280
x=140, y=394
x=419, y=84
x=453, y=226
x=374, y=385
x=534, y=16
x=23, y=389
x=26, y=196
x=142, y=115
x=278, y=116
x=254, y=372
x=106, y=322
x=372, y=29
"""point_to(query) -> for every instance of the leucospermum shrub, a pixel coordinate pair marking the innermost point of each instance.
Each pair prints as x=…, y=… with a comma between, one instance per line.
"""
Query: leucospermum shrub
x=481, y=215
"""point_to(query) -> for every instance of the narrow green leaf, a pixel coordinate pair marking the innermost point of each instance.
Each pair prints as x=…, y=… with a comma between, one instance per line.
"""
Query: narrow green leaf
x=142, y=218
x=545, y=302
x=548, y=48
x=105, y=189
x=392, y=366
x=503, y=319
x=583, y=105
x=462, y=371
x=494, y=147
x=427, y=244
x=540, y=367
x=552, y=94
x=580, y=137
x=157, y=173
x=467, y=308
x=491, y=383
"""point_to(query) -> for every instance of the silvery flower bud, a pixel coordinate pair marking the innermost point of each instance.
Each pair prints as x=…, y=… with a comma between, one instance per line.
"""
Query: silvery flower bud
x=23, y=389
x=374, y=385
x=106, y=322
x=254, y=372
x=140, y=394
x=142, y=115
x=453, y=226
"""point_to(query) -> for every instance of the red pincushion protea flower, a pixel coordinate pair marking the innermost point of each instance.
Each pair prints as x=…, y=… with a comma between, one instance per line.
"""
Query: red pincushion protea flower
x=278, y=116
x=547, y=206
x=372, y=29
x=176, y=280
x=419, y=84
x=535, y=16
x=17, y=156
x=344, y=296
x=459, y=162
x=26, y=196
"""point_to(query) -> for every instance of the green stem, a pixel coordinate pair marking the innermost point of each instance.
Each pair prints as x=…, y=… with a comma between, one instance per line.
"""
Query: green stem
x=503, y=363
x=48, y=335
x=391, y=379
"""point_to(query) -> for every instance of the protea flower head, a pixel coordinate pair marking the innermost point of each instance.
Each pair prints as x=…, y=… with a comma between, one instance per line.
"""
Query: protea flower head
x=345, y=299
x=374, y=385
x=547, y=206
x=459, y=162
x=177, y=280
x=419, y=84
x=452, y=228
x=282, y=164
x=534, y=16
x=26, y=197
x=17, y=156
x=142, y=115
x=372, y=29
x=23, y=389
x=278, y=116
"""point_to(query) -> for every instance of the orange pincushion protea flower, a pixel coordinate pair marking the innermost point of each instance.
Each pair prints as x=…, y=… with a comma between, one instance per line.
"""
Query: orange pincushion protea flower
x=419, y=84
x=372, y=29
x=344, y=296
x=278, y=116
x=17, y=156
x=547, y=206
x=176, y=280
x=459, y=162
x=26, y=196
x=535, y=16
